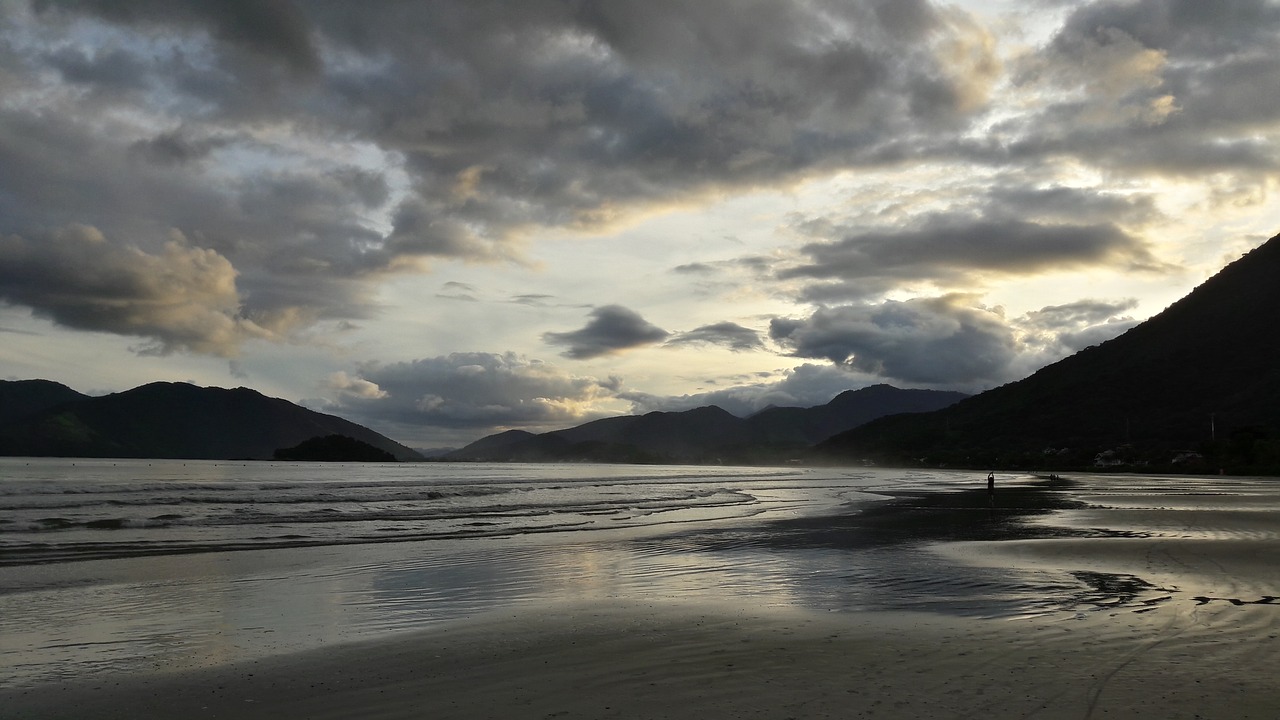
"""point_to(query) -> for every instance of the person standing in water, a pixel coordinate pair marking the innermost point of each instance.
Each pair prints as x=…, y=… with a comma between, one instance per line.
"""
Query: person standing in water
x=991, y=488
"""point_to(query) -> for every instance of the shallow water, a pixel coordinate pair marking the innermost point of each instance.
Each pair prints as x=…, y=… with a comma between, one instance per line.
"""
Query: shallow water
x=55, y=510
x=405, y=547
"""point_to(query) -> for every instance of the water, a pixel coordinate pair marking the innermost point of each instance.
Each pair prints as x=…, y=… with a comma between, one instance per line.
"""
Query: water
x=123, y=566
x=60, y=510
x=110, y=566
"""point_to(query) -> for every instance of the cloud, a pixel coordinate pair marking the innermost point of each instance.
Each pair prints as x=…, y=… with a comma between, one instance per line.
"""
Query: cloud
x=468, y=392
x=176, y=148
x=534, y=300
x=942, y=341
x=949, y=342
x=181, y=298
x=499, y=112
x=1066, y=230
x=295, y=239
x=697, y=268
x=1056, y=331
x=458, y=291
x=272, y=29
x=1185, y=28
x=1071, y=206
x=612, y=328
x=1081, y=312
x=1156, y=86
x=729, y=334
x=313, y=150
x=352, y=388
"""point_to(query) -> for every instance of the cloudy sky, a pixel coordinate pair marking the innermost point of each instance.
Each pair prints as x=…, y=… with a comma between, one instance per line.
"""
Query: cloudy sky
x=452, y=217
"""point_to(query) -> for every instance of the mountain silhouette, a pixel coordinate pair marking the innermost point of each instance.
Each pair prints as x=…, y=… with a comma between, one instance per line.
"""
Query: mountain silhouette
x=705, y=435
x=168, y=420
x=334, y=448
x=849, y=409
x=27, y=397
x=1200, y=380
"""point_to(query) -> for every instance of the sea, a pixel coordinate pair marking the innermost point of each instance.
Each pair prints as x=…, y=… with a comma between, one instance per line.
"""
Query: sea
x=114, y=566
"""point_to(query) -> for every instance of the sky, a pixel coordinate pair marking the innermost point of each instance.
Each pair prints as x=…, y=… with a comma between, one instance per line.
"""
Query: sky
x=450, y=218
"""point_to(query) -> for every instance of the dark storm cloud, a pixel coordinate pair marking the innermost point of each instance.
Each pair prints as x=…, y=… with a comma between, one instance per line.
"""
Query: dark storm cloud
x=1189, y=28
x=1176, y=86
x=531, y=97
x=952, y=248
x=728, y=334
x=947, y=342
x=468, y=391
x=250, y=126
x=612, y=328
x=273, y=29
x=940, y=341
x=114, y=69
x=294, y=238
x=174, y=148
x=180, y=298
x=1068, y=205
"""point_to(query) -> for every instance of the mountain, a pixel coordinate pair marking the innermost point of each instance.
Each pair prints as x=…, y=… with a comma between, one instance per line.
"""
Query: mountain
x=177, y=420
x=706, y=434
x=849, y=409
x=19, y=398
x=334, y=448
x=1199, y=381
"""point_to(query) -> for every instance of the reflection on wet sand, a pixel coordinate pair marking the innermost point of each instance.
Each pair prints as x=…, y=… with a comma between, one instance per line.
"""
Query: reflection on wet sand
x=1064, y=548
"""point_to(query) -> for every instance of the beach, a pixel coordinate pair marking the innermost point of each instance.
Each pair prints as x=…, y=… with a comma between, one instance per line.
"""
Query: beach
x=1092, y=597
x=656, y=661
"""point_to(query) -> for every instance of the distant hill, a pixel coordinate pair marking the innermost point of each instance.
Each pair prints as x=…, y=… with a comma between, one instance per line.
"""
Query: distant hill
x=27, y=397
x=334, y=448
x=171, y=420
x=1200, y=383
x=705, y=434
x=849, y=409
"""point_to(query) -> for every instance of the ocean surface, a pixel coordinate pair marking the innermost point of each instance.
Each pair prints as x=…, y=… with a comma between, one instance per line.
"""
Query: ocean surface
x=110, y=566
x=54, y=510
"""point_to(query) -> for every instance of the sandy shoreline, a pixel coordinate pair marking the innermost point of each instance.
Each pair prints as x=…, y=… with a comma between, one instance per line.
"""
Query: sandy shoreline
x=676, y=661
x=1172, y=614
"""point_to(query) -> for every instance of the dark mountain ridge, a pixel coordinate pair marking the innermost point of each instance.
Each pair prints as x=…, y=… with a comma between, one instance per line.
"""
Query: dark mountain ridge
x=176, y=420
x=1199, y=380
x=27, y=397
x=849, y=409
x=707, y=434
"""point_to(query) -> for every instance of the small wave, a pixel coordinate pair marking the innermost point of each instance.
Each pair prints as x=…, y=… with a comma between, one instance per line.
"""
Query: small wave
x=153, y=497
x=55, y=523
x=61, y=524
x=108, y=524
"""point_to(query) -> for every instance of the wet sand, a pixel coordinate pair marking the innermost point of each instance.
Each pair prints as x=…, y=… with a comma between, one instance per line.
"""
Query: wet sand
x=1172, y=616
x=655, y=661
